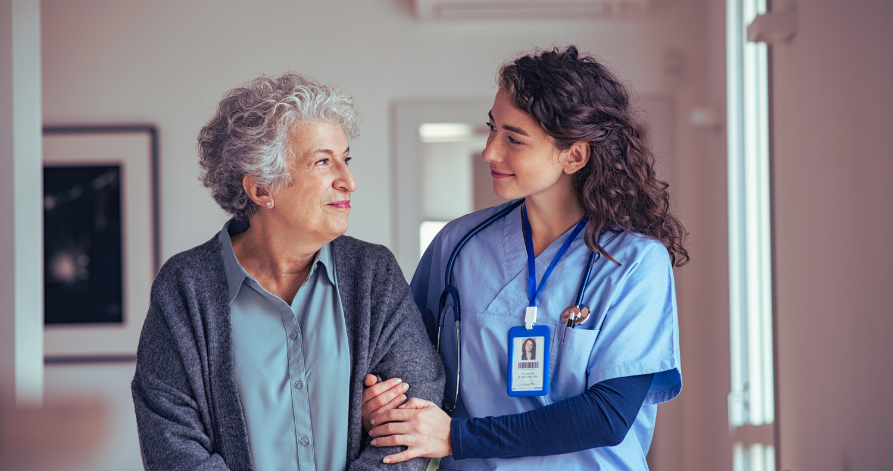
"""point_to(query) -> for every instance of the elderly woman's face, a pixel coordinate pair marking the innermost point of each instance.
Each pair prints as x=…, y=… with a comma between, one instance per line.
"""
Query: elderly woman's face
x=318, y=202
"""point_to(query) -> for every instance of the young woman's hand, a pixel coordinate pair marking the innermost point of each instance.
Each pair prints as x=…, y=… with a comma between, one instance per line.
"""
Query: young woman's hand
x=420, y=425
x=381, y=397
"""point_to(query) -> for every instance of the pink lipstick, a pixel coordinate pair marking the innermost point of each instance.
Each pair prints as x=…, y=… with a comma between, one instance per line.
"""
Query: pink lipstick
x=344, y=204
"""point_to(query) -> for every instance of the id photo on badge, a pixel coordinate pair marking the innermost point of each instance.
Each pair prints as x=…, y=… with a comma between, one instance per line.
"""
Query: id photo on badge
x=529, y=361
x=528, y=353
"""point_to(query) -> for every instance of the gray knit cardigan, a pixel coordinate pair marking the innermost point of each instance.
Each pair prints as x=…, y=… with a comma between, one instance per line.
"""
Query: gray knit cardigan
x=188, y=410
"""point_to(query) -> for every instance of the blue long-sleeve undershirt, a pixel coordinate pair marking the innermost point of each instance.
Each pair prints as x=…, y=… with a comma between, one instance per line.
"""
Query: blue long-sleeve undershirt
x=601, y=416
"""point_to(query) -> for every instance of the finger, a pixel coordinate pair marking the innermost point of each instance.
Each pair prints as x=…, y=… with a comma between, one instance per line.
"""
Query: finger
x=395, y=403
x=390, y=428
x=390, y=440
x=416, y=403
x=381, y=386
x=370, y=380
x=404, y=455
x=373, y=415
x=372, y=391
x=394, y=415
x=386, y=397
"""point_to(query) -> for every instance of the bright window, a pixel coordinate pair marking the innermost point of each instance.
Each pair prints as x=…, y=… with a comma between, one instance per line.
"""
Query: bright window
x=427, y=231
x=751, y=400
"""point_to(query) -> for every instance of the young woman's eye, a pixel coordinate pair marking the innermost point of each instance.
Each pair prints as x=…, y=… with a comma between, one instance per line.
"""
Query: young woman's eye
x=513, y=140
x=490, y=125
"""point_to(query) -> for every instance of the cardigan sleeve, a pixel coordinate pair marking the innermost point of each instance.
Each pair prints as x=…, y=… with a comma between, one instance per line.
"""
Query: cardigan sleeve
x=401, y=350
x=172, y=423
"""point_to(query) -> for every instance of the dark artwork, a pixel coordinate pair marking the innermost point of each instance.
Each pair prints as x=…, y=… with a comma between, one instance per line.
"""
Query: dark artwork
x=82, y=244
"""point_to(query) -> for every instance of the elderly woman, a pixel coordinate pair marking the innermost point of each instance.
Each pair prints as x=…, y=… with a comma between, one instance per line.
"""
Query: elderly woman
x=256, y=342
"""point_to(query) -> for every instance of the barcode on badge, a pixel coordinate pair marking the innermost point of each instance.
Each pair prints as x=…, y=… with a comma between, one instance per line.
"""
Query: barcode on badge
x=528, y=364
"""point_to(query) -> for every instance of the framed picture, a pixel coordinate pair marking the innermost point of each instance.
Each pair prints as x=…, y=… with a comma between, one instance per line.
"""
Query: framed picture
x=100, y=186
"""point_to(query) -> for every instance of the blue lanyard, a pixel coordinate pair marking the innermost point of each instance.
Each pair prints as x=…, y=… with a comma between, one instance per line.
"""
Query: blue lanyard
x=532, y=290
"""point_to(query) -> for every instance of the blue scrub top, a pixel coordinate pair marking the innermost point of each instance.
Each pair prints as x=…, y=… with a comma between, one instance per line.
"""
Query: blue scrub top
x=632, y=329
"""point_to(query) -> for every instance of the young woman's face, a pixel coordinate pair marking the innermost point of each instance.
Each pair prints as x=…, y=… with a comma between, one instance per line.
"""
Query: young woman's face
x=523, y=158
x=528, y=345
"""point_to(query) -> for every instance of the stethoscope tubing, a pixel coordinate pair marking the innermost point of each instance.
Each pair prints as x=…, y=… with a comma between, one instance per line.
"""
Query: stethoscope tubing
x=585, y=281
x=450, y=290
x=455, y=253
x=464, y=240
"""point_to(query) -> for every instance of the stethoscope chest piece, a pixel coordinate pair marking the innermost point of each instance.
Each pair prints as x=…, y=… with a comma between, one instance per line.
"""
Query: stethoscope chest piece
x=572, y=317
x=577, y=314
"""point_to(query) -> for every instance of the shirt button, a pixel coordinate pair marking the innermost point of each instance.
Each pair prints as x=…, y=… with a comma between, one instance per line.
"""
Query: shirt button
x=299, y=385
x=304, y=441
x=293, y=335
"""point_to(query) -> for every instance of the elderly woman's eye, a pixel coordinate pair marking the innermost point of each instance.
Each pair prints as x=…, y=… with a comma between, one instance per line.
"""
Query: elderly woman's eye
x=322, y=162
x=347, y=160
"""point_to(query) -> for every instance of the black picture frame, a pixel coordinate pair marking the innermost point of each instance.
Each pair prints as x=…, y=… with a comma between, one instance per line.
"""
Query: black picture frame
x=92, y=172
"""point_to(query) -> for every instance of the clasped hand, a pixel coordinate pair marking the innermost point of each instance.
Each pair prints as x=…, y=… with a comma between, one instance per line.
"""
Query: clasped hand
x=391, y=420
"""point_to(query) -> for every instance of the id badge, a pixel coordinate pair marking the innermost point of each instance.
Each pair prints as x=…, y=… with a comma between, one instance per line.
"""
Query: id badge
x=528, y=362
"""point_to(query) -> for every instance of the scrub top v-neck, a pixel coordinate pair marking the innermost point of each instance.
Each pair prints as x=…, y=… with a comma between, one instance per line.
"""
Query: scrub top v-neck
x=632, y=328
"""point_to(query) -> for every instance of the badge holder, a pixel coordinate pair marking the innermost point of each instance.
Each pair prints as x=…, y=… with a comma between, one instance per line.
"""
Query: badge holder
x=528, y=365
x=528, y=345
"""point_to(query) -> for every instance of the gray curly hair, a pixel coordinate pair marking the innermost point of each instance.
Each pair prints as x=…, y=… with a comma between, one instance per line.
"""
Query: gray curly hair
x=250, y=134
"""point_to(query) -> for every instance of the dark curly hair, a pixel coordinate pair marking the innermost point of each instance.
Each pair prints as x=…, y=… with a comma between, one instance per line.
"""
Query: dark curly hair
x=575, y=98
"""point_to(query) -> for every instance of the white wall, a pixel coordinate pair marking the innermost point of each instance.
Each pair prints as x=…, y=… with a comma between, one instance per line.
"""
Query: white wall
x=21, y=255
x=7, y=235
x=833, y=163
x=696, y=436
x=168, y=62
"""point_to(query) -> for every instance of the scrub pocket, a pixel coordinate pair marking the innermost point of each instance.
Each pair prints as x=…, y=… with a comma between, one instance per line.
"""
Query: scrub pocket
x=570, y=361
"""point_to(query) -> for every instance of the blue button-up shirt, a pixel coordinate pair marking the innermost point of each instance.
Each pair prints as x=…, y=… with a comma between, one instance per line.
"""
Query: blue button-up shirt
x=292, y=365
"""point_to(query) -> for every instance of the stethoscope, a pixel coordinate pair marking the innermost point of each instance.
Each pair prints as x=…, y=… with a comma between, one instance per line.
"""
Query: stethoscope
x=573, y=316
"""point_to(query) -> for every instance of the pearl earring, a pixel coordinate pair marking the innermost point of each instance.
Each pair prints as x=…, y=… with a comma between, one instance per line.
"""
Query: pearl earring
x=269, y=204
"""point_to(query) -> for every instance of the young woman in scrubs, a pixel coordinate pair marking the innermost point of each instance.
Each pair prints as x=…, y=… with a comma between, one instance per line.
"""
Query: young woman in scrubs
x=564, y=138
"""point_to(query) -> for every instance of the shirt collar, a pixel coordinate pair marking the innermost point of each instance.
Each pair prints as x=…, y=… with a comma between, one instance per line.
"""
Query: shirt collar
x=324, y=258
x=236, y=275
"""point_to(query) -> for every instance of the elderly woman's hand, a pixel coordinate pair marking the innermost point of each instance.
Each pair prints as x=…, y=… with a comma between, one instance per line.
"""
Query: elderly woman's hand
x=419, y=425
x=381, y=397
